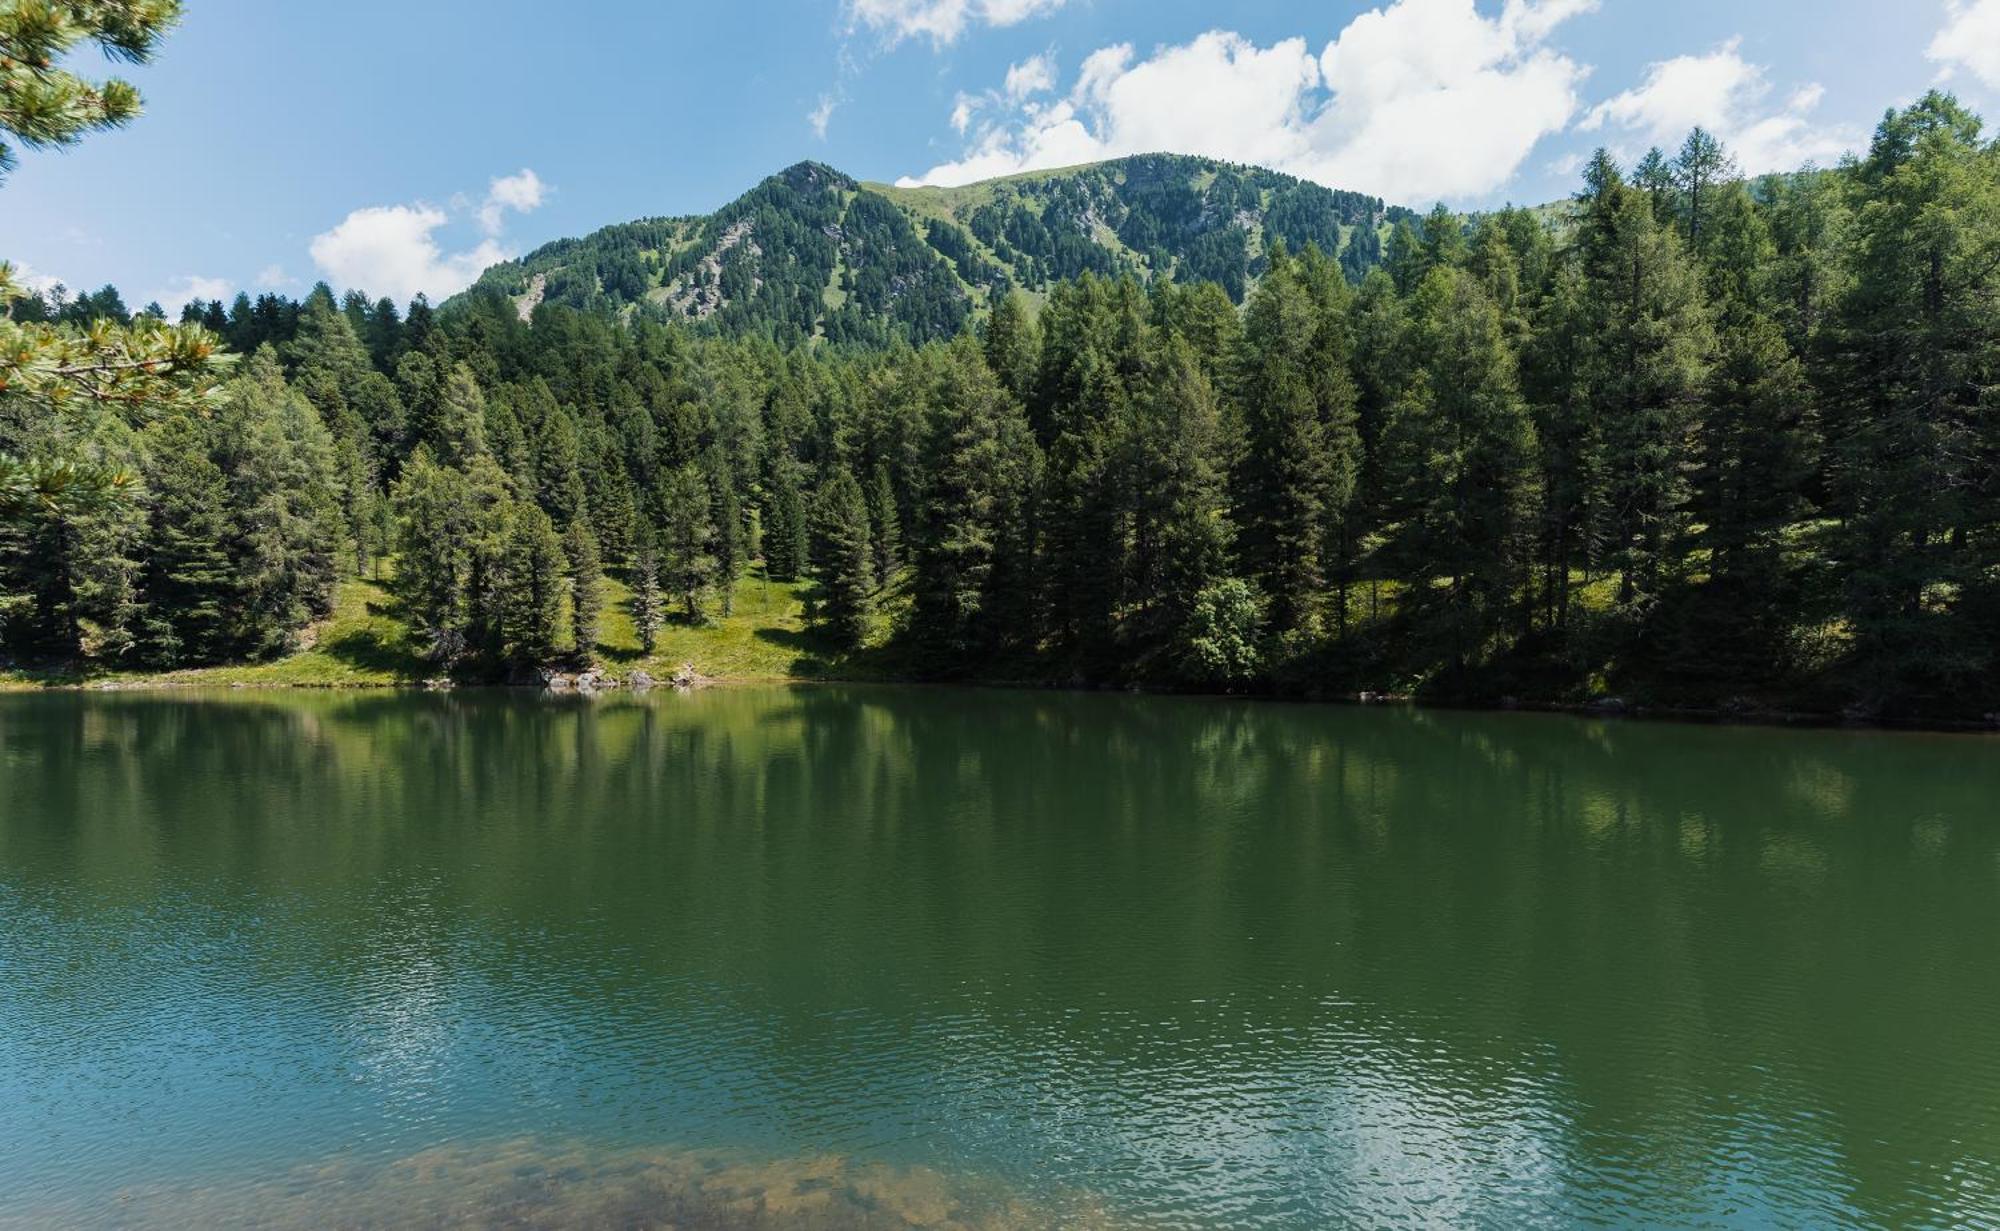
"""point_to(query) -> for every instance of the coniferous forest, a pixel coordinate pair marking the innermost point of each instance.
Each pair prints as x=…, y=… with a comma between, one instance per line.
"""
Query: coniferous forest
x=1688, y=438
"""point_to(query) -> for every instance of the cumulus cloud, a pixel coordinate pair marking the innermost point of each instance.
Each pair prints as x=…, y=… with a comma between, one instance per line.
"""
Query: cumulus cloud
x=1418, y=100
x=520, y=192
x=273, y=276
x=394, y=250
x=943, y=21
x=1032, y=76
x=1970, y=40
x=1731, y=98
x=191, y=288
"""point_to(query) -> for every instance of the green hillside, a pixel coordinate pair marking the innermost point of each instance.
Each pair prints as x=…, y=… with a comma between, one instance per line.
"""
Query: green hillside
x=813, y=253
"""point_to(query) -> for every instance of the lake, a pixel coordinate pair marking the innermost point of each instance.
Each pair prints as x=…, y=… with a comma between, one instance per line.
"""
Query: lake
x=881, y=957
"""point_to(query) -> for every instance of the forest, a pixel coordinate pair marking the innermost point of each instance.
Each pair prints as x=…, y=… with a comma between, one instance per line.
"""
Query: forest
x=1689, y=438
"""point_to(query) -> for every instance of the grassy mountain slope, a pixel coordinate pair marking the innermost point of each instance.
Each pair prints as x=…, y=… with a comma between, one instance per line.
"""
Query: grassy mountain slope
x=813, y=253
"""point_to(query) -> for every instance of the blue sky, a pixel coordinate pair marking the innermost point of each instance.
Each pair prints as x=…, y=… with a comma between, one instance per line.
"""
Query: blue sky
x=403, y=146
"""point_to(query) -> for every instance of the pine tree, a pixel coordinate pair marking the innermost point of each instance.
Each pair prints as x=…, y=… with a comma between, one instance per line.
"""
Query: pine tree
x=1558, y=368
x=1444, y=239
x=980, y=460
x=785, y=528
x=188, y=576
x=1698, y=170
x=1911, y=363
x=285, y=523
x=649, y=604
x=559, y=465
x=726, y=514
x=886, y=528
x=434, y=517
x=1648, y=334
x=1655, y=176
x=460, y=432
x=535, y=586
x=1470, y=456
x=586, y=586
x=1296, y=474
x=45, y=107
x=1181, y=528
x=688, y=536
x=1013, y=343
x=1404, y=258
x=842, y=566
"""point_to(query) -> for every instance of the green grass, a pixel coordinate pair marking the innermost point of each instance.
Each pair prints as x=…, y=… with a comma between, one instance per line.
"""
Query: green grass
x=362, y=644
x=766, y=637
x=366, y=644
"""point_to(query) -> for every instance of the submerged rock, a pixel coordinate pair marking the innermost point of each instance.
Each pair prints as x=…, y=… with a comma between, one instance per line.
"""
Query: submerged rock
x=558, y=1185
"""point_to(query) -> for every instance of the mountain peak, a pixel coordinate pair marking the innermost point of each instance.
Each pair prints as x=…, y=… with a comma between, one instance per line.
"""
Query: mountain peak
x=811, y=176
x=810, y=252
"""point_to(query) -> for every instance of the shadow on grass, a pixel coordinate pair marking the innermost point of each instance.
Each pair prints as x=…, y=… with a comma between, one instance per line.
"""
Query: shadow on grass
x=817, y=658
x=368, y=649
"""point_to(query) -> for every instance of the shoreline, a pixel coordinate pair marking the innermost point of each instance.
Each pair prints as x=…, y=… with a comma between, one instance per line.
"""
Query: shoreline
x=1611, y=709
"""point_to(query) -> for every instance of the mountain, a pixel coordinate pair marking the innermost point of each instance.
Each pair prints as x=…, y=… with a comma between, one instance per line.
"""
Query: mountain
x=812, y=252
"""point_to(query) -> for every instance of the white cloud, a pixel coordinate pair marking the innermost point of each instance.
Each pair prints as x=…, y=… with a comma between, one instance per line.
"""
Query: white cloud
x=1034, y=75
x=1730, y=97
x=273, y=276
x=821, y=116
x=190, y=288
x=1969, y=40
x=521, y=192
x=393, y=250
x=943, y=21
x=34, y=279
x=1418, y=100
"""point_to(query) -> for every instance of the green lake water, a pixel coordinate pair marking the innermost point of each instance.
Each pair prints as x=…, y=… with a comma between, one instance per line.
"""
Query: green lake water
x=831, y=957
